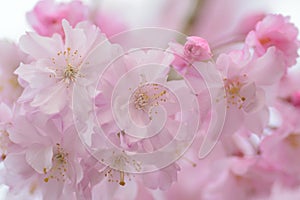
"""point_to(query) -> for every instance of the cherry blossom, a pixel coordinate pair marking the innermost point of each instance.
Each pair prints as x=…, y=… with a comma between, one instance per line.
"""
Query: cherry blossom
x=275, y=30
x=141, y=99
x=244, y=83
x=68, y=62
x=89, y=112
x=51, y=160
x=46, y=17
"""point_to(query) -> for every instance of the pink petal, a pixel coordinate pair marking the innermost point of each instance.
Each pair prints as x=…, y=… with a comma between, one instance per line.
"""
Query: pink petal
x=75, y=38
x=36, y=74
x=16, y=132
x=233, y=121
x=5, y=113
x=40, y=47
x=267, y=69
x=39, y=157
x=257, y=121
x=51, y=100
x=17, y=164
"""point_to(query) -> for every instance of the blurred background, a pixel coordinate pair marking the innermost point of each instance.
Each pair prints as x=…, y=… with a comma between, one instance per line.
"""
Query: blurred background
x=173, y=14
x=210, y=19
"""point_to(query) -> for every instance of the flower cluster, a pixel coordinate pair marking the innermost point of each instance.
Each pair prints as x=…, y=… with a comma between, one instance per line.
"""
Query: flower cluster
x=82, y=116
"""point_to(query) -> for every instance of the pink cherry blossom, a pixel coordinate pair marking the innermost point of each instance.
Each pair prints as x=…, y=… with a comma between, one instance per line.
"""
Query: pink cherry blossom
x=46, y=17
x=110, y=79
x=243, y=83
x=86, y=113
x=146, y=91
x=68, y=63
x=281, y=149
x=51, y=160
x=275, y=30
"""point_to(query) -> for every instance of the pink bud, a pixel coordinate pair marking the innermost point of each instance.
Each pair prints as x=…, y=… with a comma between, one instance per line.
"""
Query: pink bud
x=197, y=48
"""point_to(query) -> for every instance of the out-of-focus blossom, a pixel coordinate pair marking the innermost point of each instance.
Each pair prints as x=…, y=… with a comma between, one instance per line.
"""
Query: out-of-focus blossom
x=219, y=20
x=289, y=87
x=280, y=192
x=281, y=149
x=249, y=23
x=110, y=24
x=241, y=178
x=46, y=17
x=277, y=31
x=10, y=58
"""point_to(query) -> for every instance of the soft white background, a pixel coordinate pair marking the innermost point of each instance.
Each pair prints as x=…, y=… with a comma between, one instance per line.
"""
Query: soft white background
x=13, y=22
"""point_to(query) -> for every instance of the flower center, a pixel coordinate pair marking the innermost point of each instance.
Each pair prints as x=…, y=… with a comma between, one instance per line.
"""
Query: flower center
x=233, y=96
x=70, y=73
x=119, y=162
x=141, y=101
x=66, y=65
x=147, y=96
x=59, y=165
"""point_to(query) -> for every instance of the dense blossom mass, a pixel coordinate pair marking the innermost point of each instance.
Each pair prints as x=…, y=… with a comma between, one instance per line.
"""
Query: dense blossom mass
x=82, y=116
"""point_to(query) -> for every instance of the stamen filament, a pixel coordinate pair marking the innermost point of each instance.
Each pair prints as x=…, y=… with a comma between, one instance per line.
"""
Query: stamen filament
x=189, y=161
x=122, y=181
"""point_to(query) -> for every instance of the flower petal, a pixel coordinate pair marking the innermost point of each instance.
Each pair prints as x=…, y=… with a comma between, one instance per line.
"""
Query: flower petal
x=267, y=69
x=52, y=99
x=39, y=157
x=40, y=47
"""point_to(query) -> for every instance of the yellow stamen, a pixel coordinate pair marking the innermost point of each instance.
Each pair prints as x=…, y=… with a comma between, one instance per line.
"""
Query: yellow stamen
x=189, y=161
x=122, y=182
